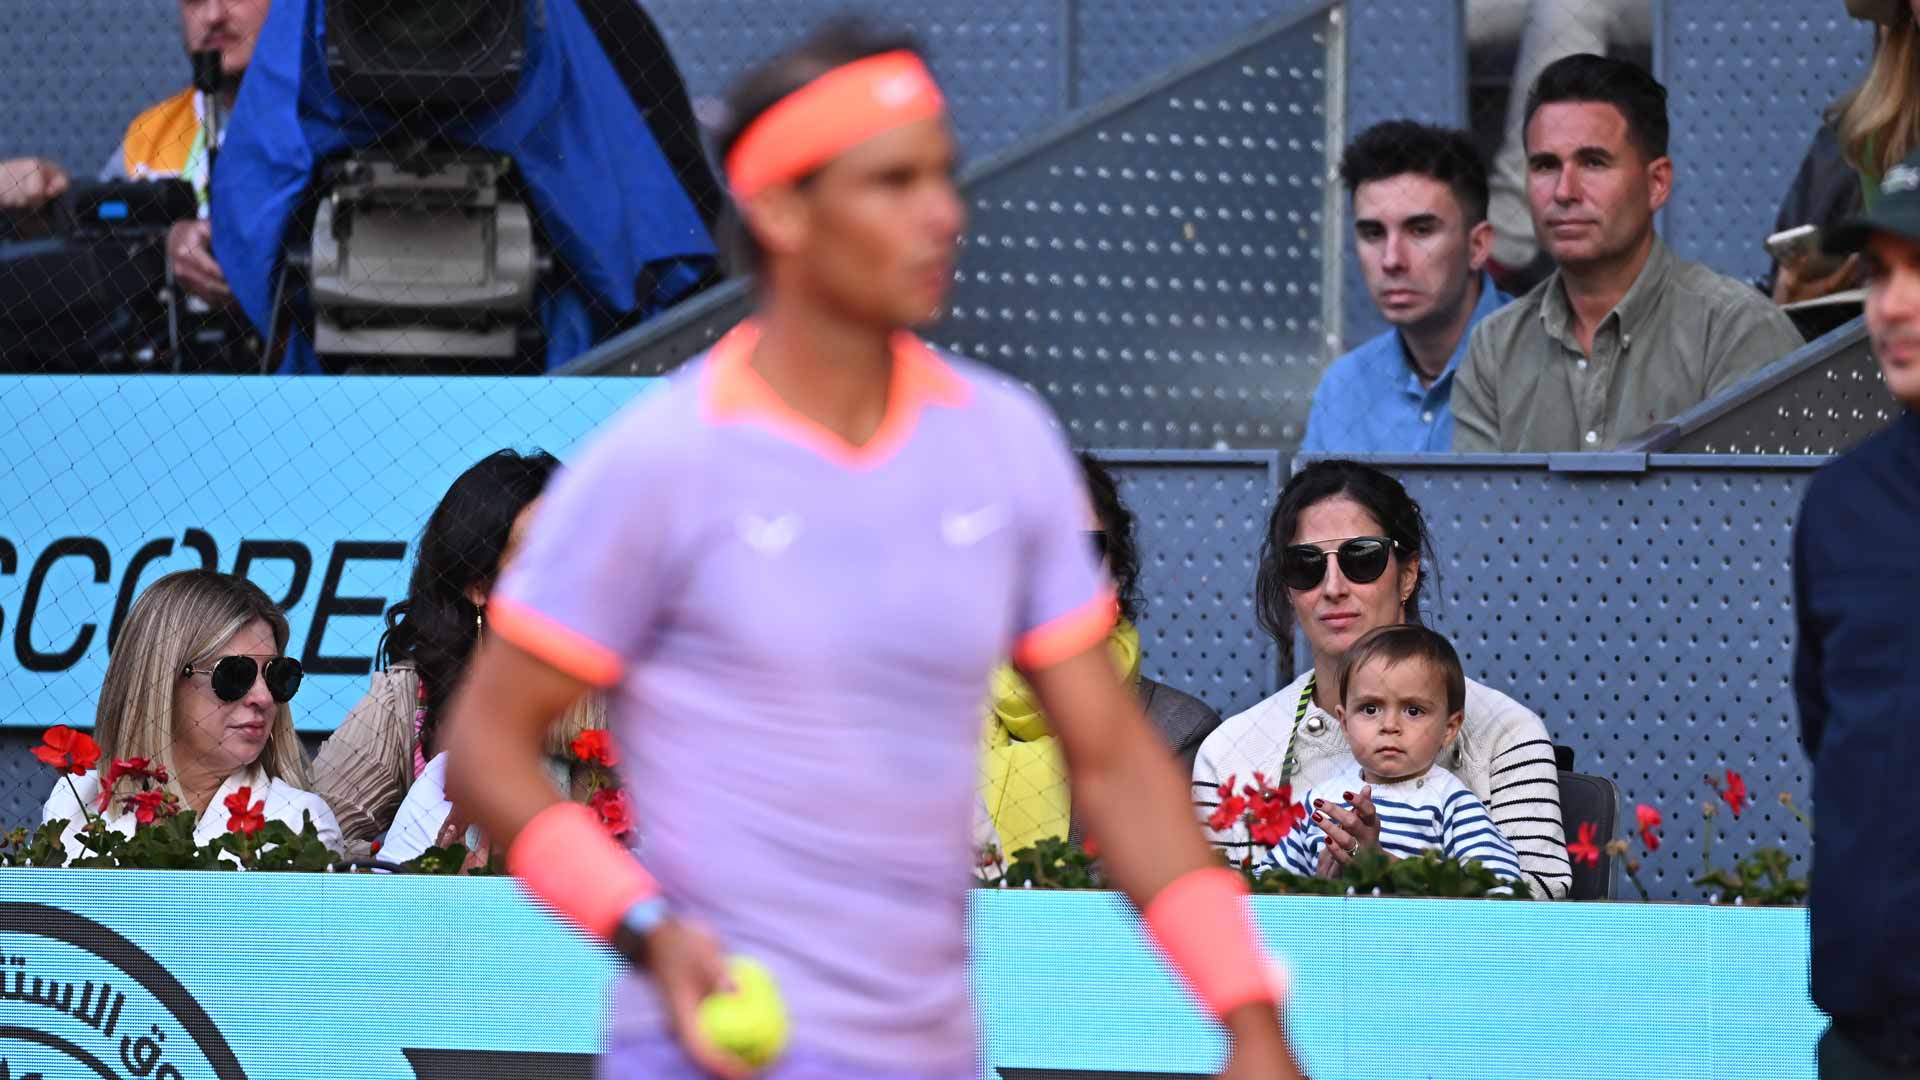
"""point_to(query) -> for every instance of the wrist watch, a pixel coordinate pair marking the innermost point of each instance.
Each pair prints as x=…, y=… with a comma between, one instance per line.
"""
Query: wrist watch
x=630, y=937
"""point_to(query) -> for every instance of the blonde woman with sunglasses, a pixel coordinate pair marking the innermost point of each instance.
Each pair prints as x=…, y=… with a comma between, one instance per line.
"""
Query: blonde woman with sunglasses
x=199, y=685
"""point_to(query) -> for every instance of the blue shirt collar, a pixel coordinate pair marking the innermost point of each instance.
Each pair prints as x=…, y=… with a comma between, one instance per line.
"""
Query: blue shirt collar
x=1491, y=300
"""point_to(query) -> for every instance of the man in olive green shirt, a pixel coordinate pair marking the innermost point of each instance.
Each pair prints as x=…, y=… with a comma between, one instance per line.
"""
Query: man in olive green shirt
x=1625, y=333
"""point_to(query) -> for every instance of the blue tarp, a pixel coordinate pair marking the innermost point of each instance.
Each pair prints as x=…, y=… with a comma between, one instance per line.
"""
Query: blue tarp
x=604, y=194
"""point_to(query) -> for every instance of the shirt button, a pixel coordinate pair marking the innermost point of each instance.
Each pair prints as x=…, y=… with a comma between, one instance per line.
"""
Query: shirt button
x=1427, y=417
x=1582, y=365
x=1592, y=437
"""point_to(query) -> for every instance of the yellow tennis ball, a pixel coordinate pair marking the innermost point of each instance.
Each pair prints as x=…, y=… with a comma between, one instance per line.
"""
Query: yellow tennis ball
x=751, y=1022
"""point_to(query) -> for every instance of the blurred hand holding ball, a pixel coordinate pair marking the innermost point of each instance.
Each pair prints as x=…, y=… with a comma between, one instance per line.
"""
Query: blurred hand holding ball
x=751, y=1022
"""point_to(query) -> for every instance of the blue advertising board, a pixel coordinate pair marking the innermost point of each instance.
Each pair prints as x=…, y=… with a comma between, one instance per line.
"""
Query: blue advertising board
x=251, y=976
x=316, y=489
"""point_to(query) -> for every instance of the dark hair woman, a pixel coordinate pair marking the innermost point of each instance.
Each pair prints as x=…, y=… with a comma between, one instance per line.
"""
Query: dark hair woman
x=1346, y=552
x=364, y=769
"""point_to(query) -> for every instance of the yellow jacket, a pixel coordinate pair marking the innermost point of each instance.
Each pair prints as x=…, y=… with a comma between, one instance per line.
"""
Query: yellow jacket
x=1023, y=779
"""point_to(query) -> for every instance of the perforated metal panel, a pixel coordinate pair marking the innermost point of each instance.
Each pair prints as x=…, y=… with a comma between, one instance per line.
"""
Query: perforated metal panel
x=1199, y=521
x=1002, y=63
x=1746, y=84
x=1404, y=58
x=1823, y=399
x=74, y=73
x=1647, y=617
x=24, y=781
x=1154, y=270
x=1116, y=43
x=1156, y=274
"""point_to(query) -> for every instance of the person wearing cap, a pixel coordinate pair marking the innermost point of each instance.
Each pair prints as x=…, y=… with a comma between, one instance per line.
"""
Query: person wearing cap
x=841, y=531
x=1854, y=676
x=1625, y=334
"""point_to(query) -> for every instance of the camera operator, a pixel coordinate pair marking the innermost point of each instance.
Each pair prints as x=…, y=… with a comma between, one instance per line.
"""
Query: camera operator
x=168, y=140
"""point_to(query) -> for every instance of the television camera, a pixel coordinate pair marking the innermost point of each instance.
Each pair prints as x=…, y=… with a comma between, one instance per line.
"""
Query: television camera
x=85, y=284
x=422, y=254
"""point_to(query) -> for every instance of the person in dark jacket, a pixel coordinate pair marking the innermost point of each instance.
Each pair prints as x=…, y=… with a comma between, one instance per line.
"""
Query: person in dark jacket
x=1855, y=677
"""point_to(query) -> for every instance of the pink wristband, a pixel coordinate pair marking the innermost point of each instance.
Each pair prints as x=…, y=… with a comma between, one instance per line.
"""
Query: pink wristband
x=1200, y=921
x=565, y=858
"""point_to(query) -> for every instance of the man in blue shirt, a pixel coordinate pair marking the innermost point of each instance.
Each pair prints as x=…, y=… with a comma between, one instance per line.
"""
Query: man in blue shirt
x=1420, y=227
x=1857, y=606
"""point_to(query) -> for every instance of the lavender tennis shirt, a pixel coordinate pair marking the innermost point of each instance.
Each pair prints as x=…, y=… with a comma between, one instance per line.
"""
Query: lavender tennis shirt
x=799, y=633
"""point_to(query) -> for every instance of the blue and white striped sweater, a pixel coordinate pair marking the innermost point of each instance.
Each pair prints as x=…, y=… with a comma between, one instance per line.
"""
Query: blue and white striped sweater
x=1434, y=811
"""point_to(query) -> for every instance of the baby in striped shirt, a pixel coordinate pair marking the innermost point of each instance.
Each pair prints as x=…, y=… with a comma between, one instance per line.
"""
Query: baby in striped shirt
x=1402, y=692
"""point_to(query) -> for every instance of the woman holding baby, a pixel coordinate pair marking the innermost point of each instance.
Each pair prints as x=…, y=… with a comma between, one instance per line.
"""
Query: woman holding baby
x=1345, y=554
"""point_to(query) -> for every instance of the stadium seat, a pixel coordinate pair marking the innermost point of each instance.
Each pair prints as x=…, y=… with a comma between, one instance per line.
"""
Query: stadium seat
x=1587, y=798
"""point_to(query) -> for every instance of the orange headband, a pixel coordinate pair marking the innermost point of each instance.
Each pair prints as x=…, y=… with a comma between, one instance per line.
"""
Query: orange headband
x=830, y=115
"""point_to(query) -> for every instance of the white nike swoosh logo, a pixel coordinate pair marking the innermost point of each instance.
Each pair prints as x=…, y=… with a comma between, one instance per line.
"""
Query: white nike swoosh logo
x=968, y=529
x=770, y=536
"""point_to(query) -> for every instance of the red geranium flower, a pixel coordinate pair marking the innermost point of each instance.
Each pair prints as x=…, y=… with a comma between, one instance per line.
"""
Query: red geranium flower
x=1228, y=812
x=1584, y=849
x=1091, y=846
x=1280, y=809
x=1649, y=820
x=134, y=768
x=615, y=814
x=141, y=769
x=245, y=820
x=595, y=748
x=70, y=752
x=145, y=806
x=1736, y=792
x=1273, y=811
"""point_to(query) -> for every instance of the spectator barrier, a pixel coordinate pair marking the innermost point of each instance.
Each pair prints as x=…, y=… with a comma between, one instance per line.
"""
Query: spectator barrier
x=320, y=494
x=231, y=976
x=1155, y=268
x=1640, y=604
x=1822, y=399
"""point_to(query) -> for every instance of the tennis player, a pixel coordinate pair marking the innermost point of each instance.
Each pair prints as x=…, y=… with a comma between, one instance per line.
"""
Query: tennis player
x=794, y=566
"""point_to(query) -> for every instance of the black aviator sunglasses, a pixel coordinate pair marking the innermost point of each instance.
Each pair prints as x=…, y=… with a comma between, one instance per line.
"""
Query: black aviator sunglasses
x=1362, y=559
x=232, y=676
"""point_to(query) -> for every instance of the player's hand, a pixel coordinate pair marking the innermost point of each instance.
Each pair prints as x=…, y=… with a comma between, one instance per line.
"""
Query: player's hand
x=190, y=253
x=1260, y=1050
x=30, y=183
x=687, y=964
x=1349, y=830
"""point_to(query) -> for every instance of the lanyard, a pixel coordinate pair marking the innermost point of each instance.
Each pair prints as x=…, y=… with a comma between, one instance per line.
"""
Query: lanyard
x=1288, y=764
x=194, y=171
